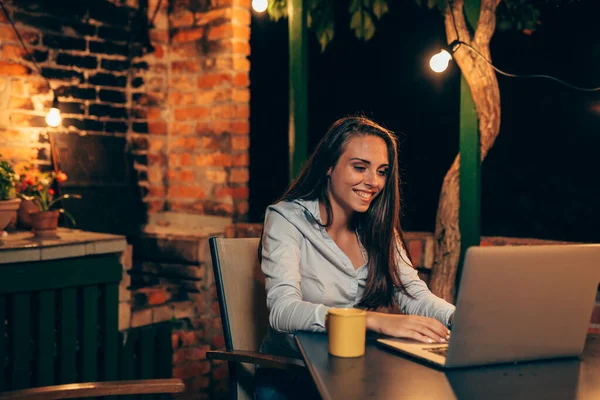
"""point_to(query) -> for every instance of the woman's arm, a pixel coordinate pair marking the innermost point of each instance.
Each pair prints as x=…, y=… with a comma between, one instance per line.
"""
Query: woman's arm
x=281, y=266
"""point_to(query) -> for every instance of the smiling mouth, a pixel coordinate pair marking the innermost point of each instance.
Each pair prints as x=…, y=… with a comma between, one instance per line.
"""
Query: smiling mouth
x=364, y=195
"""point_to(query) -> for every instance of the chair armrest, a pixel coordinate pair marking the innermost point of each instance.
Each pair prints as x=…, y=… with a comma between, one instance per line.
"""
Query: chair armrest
x=93, y=389
x=252, y=357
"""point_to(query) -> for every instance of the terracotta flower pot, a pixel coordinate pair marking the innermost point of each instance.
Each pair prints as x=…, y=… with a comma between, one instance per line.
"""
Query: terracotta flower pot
x=24, y=214
x=8, y=211
x=45, y=223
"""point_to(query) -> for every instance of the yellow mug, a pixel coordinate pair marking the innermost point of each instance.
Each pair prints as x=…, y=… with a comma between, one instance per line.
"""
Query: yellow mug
x=347, y=328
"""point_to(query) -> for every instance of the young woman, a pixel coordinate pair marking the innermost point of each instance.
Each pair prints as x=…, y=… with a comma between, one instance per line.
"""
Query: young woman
x=334, y=240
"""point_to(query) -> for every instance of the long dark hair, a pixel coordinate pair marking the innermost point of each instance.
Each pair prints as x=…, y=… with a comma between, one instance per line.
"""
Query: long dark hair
x=379, y=227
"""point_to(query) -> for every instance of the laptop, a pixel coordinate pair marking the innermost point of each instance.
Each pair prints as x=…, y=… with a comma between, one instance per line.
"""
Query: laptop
x=517, y=303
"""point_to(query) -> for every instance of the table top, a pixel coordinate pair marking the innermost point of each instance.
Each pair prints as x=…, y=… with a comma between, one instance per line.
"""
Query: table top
x=385, y=374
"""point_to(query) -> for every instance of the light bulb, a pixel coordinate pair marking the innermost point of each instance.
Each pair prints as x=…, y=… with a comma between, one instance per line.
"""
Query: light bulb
x=260, y=5
x=53, y=117
x=439, y=62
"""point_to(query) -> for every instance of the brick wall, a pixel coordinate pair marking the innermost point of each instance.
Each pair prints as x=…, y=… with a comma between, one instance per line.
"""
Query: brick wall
x=178, y=95
x=182, y=103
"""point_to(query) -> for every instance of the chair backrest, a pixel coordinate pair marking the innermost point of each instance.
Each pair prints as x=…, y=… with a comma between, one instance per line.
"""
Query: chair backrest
x=241, y=291
x=242, y=298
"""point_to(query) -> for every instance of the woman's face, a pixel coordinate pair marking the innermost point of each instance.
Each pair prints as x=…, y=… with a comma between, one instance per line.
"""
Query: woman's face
x=359, y=175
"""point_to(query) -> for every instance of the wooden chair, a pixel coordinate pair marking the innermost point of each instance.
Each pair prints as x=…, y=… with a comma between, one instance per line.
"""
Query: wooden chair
x=242, y=298
x=93, y=389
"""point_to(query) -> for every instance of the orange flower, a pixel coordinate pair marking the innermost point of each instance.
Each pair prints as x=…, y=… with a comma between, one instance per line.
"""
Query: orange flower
x=61, y=177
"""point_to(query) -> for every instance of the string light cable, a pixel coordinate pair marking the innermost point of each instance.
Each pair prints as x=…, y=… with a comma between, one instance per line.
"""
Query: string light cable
x=53, y=117
x=457, y=43
x=508, y=74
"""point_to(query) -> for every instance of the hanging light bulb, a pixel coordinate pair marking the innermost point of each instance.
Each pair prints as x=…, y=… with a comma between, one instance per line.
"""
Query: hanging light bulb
x=260, y=5
x=53, y=118
x=439, y=62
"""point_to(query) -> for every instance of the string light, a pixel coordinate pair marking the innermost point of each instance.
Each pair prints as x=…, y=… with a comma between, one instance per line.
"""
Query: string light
x=53, y=118
x=439, y=62
x=260, y=5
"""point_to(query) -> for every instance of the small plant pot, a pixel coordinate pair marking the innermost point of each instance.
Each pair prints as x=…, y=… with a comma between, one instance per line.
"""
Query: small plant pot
x=8, y=211
x=24, y=214
x=44, y=223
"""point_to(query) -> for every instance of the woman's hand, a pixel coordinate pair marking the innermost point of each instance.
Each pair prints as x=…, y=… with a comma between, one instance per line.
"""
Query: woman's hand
x=423, y=329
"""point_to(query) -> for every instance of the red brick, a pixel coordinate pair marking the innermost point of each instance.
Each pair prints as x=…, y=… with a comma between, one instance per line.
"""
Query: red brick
x=241, y=16
x=241, y=32
x=216, y=175
x=196, y=192
x=236, y=193
x=175, y=340
x=157, y=127
x=20, y=103
x=190, y=354
x=7, y=68
x=209, y=143
x=182, y=82
x=182, y=19
x=240, y=127
x=199, y=383
x=217, y=342
x=156, y=191
x=155, y=175
x=222, y=31
x=241, y=95
x=238, y=175
x=184, y=67
x=231, y=111
x=185, y=159
x=241, y=79
x=188, y=35
x=240, y=143
x=181, y=99
x=213, y=127
x=185, y=143
x=241, y=64
x=215, y=159
x=11, y=52
x=153, y=113
x=158, y=51
x=191, y=370
x=216, y=13
x=241, y=160
x=154, y=205
x=213, y=96
x=181, y=128
x=8, y=34
x=213, y=80
x=191, y=113
x=242, y=208
x=220, y=372
x=242, y=48
x=187, y=338
x=159, y=35
x=28, y=120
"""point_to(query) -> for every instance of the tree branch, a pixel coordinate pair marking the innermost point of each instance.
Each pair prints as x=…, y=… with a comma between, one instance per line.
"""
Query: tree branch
x=455, y=22
x=486, y=25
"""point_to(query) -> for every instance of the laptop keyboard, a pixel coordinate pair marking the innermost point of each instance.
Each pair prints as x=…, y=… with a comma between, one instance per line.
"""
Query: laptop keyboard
x=438, y=350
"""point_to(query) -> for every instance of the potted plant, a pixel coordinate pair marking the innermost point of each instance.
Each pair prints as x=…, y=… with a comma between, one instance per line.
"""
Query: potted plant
x=37, y=187
x=9, y=203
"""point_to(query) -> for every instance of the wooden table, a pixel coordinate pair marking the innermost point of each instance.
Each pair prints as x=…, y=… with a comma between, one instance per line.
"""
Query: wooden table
x=385, y=374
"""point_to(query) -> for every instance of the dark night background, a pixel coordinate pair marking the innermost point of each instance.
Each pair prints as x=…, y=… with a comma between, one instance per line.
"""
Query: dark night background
x=541, y=177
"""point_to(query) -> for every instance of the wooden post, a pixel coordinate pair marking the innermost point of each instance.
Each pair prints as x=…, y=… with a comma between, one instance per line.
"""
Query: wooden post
x=298, y=70
x=469, y=214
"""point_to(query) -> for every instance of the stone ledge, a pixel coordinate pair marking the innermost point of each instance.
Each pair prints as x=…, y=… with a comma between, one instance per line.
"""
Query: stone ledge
x=22, y=246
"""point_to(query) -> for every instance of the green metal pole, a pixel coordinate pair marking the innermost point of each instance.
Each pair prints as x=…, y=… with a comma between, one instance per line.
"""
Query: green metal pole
x=469, y=214
x=298, y=69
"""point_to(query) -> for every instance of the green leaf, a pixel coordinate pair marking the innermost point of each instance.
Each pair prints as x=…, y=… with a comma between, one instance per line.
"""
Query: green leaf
x=69, y=216
x=380, y=8
x=362, y=25
x=277, y=9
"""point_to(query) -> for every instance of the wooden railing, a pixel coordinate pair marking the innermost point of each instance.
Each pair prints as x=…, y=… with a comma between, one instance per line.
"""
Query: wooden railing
x=61, y=326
